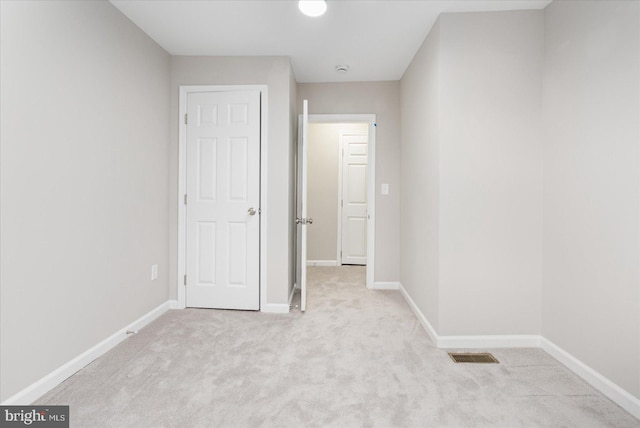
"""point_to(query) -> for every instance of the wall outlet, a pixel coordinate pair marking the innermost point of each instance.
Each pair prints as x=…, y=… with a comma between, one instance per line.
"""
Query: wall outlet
x=154, y=272
x=384, y=189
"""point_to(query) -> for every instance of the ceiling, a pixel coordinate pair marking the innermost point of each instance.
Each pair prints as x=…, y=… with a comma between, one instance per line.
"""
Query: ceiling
x=377, y=39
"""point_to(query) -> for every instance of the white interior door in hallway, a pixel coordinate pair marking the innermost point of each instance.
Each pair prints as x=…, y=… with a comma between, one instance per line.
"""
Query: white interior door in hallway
x=301, y=209
x=354, y=198
x=223, y=200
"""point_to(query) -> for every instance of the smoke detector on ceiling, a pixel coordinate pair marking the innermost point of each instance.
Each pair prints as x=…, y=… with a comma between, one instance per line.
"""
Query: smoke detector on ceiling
x=342, y=68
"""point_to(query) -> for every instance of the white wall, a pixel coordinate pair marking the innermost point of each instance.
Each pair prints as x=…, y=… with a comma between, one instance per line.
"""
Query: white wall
x=323, y=154
x=382, y=99
x=276, y=73
x=84, y=179
x=591, y=278
x=494, y=105
x=472, y=164
x=490, y=172
x=420, y=178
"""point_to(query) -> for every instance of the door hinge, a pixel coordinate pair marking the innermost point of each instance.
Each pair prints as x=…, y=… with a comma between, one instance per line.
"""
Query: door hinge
x=185, y=279
x=185, y=118
x=185, y=199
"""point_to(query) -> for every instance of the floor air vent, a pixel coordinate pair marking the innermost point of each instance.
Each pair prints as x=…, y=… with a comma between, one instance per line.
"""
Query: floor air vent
x=466, y=357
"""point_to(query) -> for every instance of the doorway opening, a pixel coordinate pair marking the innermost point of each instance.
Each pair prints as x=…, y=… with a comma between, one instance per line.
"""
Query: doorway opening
x=337, y=194
x=341, y=191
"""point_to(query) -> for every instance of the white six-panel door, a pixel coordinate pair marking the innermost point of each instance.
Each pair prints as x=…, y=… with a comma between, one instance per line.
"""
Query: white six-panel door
x=223, y=200
x=354, y=198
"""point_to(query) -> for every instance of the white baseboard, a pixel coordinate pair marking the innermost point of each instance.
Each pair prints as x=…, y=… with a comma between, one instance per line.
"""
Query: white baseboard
x=431, y=332
x=380, y=285
x=36, y=390
x=291, y=294
x=275, y=308
x=173, y=304
x=615, y=393
x=322, y=263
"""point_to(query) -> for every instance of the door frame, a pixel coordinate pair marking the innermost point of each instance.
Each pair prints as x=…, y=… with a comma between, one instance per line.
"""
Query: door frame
x=370, y=119
x=185, y=90
x=341, y=190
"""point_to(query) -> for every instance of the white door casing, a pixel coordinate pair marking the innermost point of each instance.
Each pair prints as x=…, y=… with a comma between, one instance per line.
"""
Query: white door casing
x=223, y=200
x=353, y=205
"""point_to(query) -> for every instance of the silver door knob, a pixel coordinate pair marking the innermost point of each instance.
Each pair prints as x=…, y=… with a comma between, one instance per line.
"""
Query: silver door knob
x=251, y=211
x=298, y=220
x=310, y=221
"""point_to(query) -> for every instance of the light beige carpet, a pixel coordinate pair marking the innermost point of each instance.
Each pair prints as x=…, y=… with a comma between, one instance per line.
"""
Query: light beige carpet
x=357, y=358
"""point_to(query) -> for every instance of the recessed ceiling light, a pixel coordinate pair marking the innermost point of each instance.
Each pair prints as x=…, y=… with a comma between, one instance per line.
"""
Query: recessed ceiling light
x=342, y=68
x=312, y=7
